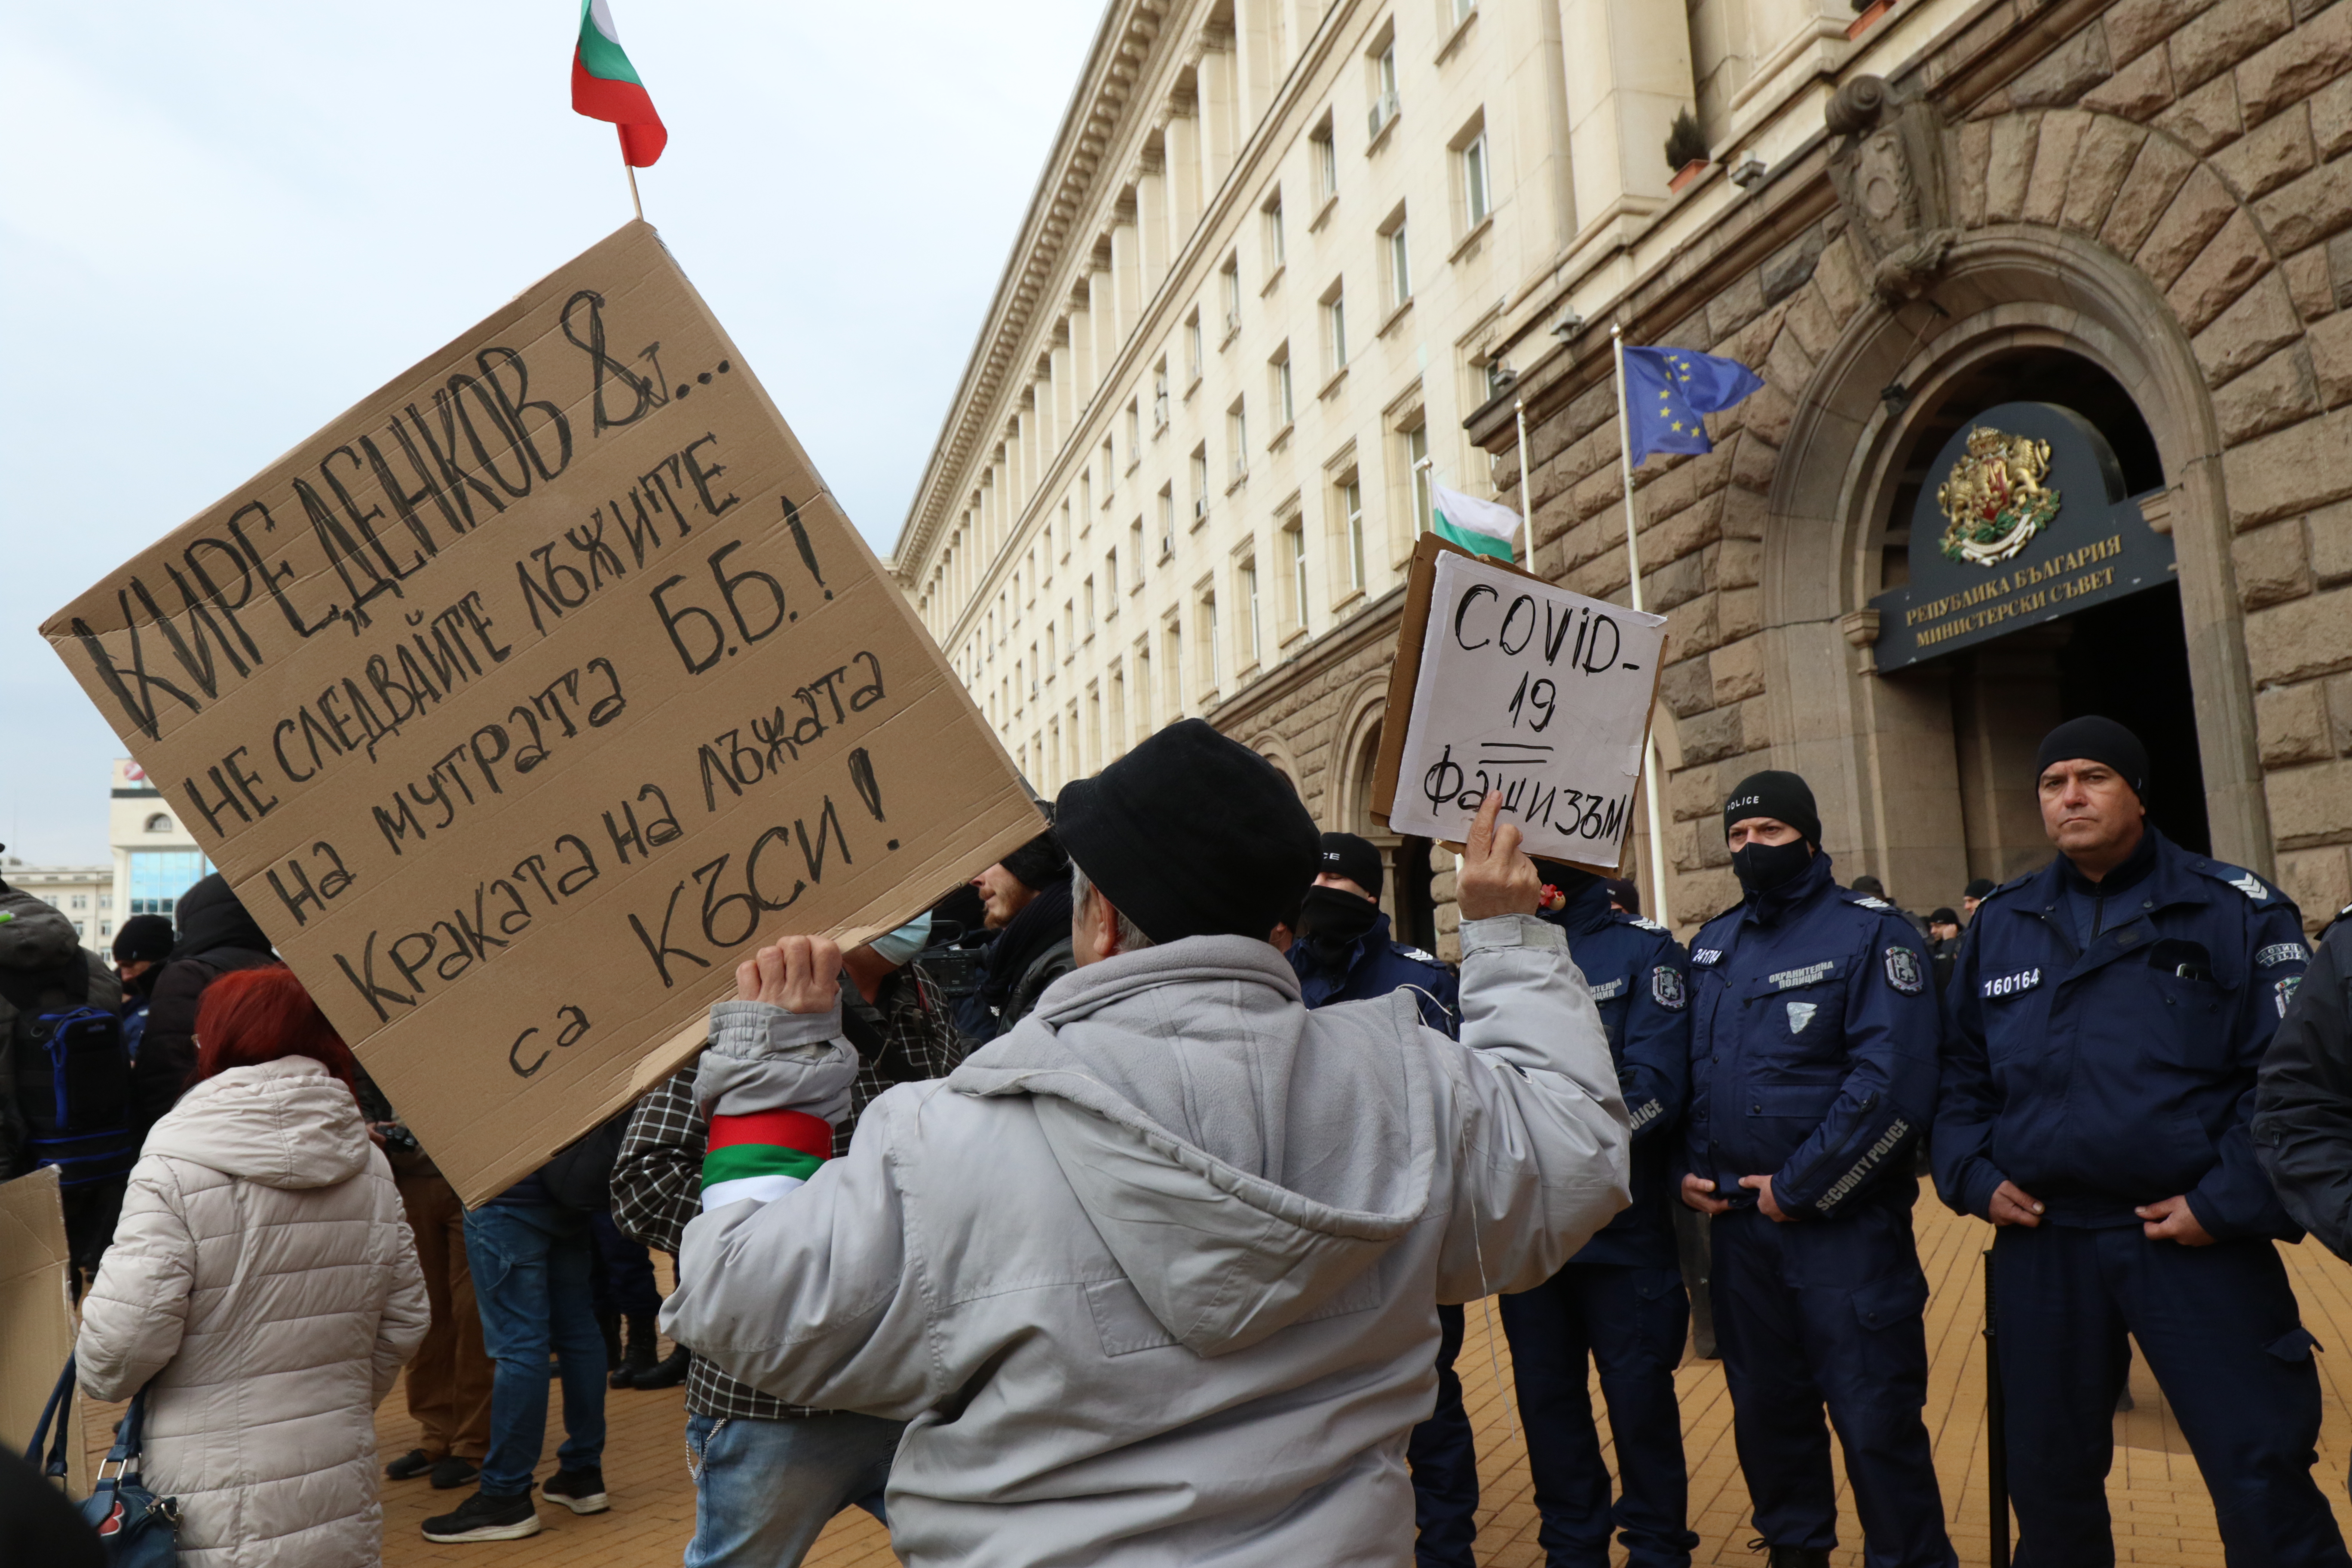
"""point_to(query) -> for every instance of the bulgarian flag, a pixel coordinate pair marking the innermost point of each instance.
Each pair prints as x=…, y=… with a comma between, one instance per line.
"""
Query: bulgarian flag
x=604, y=86
x=1481, y=527
x=762, y=1154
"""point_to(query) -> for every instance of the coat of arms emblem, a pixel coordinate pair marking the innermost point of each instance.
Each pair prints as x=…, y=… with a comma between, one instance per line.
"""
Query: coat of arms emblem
x=1993, y=501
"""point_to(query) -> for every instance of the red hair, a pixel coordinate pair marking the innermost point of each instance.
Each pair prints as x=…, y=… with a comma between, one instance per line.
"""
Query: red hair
x=254, y=1015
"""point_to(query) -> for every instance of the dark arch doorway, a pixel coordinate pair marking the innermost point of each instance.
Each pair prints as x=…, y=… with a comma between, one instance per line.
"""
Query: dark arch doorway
x=2127, y=658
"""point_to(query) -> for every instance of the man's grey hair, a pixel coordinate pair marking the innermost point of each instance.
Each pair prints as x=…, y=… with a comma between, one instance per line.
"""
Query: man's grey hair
x=1082, y=893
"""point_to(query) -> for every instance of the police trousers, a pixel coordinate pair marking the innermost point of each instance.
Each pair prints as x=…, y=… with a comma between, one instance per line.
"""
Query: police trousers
x=2220, y=1331
x=1444, y=1458
x=1827, y=1312
x=1630, y=1322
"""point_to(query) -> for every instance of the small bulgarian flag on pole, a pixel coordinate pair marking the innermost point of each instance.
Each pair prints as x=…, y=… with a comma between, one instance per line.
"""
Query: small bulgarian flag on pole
x=1481, y=527
x=606, y=86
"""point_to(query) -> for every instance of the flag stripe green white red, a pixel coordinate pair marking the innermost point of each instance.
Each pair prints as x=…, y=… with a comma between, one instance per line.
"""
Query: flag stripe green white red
x=606, y=86
x=1481, y=527
x=762, y=1154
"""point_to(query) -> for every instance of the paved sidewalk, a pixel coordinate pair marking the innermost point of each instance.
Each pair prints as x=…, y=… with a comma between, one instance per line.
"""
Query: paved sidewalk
x=2162, y=1510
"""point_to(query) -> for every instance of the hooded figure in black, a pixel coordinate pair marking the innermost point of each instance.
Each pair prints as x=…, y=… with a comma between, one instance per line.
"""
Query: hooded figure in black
x=216, y=936
x=1027, y=899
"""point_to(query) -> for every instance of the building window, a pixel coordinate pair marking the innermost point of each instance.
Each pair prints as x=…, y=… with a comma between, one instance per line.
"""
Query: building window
x=1399, y=261
x=1134, y=434
x=158, y=878
x=1416, y=457
x=1294, y=546
x=1066, y=531
x=1245, y=636
x=1351, y=524
x=81, y=901
x=1231, y=280
x=1192, y=352
x=1118, y=707
x=1335, y=331
x=1237, y=437
x=1135, y=543
x=1200, y=483
x=1143, y=687
x=1270, y=216
x=1070, y=629
x=1212, y=671
x=1477, y=194
x=1278, y=382
x=1159, y=397
x=1110, y=484
x=1167, y=521
x=106, y=900
x=1385, y=104
x=159, y=822
x=1173, y=668
x=1463, y=10
x=1088, y=593
x=1326, y=156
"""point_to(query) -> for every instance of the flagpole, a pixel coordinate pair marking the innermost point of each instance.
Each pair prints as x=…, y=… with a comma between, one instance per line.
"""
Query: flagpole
x=634, y=199
x=1633, y=572
x=1526, y=498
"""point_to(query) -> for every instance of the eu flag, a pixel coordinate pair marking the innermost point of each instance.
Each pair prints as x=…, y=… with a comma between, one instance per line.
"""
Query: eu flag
x=1666, y=390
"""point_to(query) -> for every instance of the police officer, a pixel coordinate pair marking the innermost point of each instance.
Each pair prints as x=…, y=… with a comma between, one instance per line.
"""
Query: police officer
x=2109, y=1013
x=1813, y=1040
x=1619, y=1301
x=1343, y=954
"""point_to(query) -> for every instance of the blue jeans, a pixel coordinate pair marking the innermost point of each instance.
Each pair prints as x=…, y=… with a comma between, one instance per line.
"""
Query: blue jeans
x=763, y=1489
x=531, y=1270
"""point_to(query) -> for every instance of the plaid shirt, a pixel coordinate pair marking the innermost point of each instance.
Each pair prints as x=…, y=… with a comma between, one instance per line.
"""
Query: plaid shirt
x=657, y=1181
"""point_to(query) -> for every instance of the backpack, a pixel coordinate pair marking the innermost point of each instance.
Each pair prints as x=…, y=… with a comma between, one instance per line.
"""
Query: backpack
x=73, y=1089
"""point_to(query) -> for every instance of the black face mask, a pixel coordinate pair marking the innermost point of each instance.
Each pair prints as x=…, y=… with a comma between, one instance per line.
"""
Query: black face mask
x=1762, y=866
x=1334, y=917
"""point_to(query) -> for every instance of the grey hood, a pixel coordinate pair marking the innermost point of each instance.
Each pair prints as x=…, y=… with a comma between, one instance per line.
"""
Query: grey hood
x=287, y=1123
x=1172, y=1086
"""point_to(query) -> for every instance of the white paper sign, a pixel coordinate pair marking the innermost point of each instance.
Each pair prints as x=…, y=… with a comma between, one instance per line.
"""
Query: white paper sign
x=1535, y=691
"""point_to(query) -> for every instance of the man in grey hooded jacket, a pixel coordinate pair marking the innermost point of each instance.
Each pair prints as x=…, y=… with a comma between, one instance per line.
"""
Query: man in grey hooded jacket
x=1153, y=1279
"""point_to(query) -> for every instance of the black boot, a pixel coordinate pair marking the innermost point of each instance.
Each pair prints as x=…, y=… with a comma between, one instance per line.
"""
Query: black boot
x=669, y=1374
x=1799, y=1557
x=638, y=1359
x=609, y=1324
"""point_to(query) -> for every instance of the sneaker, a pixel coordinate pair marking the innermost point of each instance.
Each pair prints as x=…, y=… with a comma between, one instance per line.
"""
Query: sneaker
x=409, y=1466
x=485, y=1517
x=581, y=1491
x=454, y=1472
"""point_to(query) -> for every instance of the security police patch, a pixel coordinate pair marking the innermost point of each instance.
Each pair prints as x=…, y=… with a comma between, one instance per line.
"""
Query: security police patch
x=1666, y=988
x=1707, y=955
x=2285, y=989
x=1903, y=971
x=2280, y=952
x=1609, y=991
x=1801, y=1014
x=2011, y=985
x=2252, y=886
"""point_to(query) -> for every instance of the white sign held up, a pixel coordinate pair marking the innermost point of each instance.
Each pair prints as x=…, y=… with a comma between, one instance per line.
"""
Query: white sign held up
x=1528, y=689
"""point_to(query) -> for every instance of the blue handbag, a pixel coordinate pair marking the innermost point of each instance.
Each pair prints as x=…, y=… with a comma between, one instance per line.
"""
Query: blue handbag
x=138, y=1529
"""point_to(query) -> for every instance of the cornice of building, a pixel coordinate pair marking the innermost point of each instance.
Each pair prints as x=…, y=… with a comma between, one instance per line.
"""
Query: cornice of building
x=1099, y=104
x=933, y=502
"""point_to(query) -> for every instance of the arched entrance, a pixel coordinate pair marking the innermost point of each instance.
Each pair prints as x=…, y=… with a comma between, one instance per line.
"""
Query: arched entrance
x=1924, y=772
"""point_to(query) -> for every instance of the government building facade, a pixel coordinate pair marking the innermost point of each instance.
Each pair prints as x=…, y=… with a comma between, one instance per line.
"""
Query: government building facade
x=2045, y=297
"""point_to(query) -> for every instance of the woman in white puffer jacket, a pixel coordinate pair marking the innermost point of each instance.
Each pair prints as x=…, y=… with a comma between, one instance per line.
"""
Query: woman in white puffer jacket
x=264, y=1277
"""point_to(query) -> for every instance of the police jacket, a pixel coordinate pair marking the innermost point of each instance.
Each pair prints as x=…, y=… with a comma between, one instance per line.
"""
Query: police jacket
x=2303, y=1100
x=2103, y=1077
x=1640, y=981
x=1371, y=966
x=1813, y=1039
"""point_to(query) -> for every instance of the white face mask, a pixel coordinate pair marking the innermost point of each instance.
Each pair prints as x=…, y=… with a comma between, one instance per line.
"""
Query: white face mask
x=908, y=940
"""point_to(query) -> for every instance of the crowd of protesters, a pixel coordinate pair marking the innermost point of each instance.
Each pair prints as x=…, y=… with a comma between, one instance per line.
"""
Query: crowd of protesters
x=1124, y=1206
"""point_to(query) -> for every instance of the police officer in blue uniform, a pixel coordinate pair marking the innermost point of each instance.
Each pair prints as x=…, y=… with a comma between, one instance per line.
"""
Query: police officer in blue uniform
x=1619, y=1301
x=1343, y=954
x=2109, y=1013
x=1814, y=1044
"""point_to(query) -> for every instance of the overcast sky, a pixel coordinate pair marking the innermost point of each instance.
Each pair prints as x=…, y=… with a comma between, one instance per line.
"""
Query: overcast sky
x=220, y=226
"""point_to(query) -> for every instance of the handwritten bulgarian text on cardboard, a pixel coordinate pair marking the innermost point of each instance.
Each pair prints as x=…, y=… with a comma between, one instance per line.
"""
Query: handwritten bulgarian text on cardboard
x=1536, y=691
x=517, y=702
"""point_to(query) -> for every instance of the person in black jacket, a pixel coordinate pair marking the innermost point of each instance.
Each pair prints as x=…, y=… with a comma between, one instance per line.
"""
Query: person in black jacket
x=2302, y=1096
x=216, y=936
x=1026, y=896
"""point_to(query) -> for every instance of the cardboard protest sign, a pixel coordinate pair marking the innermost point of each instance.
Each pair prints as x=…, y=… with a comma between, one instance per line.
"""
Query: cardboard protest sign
x=36, y=1322
x=1507, y=682
x=522, y=700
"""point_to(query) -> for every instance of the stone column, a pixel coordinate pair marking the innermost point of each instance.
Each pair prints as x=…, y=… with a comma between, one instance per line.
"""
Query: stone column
x=1629, y=72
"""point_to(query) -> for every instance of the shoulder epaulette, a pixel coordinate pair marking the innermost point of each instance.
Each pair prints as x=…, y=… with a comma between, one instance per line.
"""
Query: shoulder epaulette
x=2238, y=876
x=1644, y=922
x=1406, y=950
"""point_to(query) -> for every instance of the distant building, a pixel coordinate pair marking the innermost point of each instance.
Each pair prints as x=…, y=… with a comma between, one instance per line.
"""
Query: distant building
x=155, y=858
x=84, y=894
